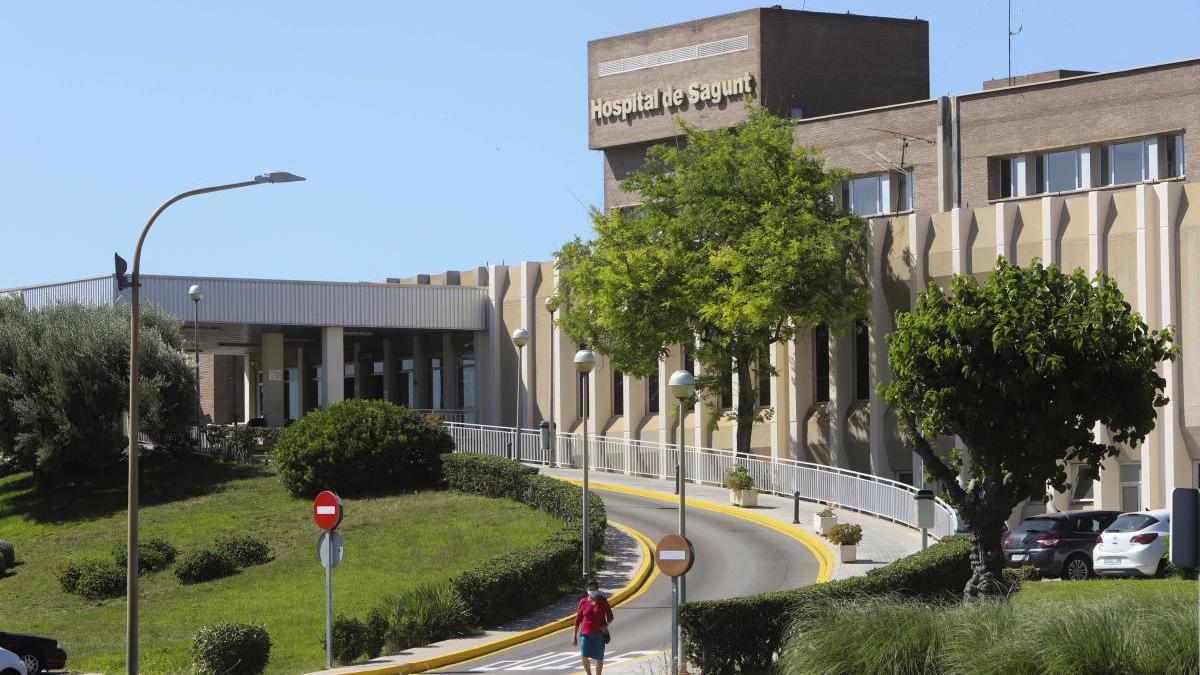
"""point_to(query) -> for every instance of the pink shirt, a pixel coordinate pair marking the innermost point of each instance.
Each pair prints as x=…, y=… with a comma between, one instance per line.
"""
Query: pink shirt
x=592, y=617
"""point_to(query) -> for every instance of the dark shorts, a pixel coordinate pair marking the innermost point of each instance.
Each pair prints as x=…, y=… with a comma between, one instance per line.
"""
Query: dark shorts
x=592, y=646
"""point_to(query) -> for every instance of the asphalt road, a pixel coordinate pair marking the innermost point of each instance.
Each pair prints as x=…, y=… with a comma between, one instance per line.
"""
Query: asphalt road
x=734, y=557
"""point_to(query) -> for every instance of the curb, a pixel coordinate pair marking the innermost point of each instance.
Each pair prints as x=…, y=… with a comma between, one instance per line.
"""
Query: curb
x=642, y=577
x=814, y=545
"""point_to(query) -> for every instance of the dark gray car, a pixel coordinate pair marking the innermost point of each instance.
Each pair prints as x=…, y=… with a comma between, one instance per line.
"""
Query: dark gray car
x=1058, y=544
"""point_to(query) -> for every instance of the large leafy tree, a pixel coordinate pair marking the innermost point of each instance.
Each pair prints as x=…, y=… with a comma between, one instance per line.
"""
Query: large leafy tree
x=64, y=386
x=736, y=244
x=1021, y=368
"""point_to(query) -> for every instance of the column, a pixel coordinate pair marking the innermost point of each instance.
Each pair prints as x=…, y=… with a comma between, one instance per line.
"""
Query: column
x=301, y=383
x=881, y=372
x=1053, y=209
x=1006, y=222
x=800, y=392
x=1107, y=490
x=780, y=400
x=841, y=393
x=1147, y=303
x=250, y=386
x=420, y=374
x=701, y=414
x=389, y=370
x=450, y=372
x=273, y=385
x=361, y=372
x=489, y=345
x=1177, y=465
x=919, y=229
x=333, y=355
x=530, y=274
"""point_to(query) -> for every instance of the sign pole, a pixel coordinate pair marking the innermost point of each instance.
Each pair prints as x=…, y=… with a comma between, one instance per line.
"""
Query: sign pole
x=329, y=602
x=674, y=625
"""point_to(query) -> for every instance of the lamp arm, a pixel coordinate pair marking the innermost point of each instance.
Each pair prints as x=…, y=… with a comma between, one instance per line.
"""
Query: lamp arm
x=137, y=255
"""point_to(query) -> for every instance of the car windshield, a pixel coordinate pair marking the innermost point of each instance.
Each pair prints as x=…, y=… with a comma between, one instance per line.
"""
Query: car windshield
x=1132, y=522
x=1039, y=525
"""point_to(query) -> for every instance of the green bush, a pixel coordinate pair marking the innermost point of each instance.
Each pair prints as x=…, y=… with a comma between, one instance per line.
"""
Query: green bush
x=360, y=446
x=745, y=633
x=153, y=554
x=738, y=478
x=349, y=638
x=425, y=614
x=845, y=533
x=231, y=649
x=245, y=551
x=8, y=553
x=204, y=565
x=240, y=442
x=484, y=475
x=377, y=628
x=67, y=572
x=98, y=580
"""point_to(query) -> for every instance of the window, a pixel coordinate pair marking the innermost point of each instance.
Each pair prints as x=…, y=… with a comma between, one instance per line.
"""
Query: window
x=652, y=393
x=821, y=363
x=1132, y=522
x=727, y=391
x=864, y=196
x=435, y=383
x=1174, y=152
x=1131, y=486
x=466, y=381
x=796, y=113
x=764, y=387
x=689, y=362
x=905, y=477
x=1060, y=171
x=1082, y=484
x=1008, y=182
x=406, y=383
x=1088, y=524
x=618, y=393
x=1128, y=162
x=904, y=187
x=862, y=361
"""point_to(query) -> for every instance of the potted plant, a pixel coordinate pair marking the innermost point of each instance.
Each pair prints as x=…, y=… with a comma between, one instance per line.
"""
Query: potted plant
x=825, y=519
x=847, y=537
x=741, y=486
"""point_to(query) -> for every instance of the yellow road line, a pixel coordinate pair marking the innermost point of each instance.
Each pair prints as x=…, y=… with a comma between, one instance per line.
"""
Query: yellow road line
x=814, y=545
x=645, y=574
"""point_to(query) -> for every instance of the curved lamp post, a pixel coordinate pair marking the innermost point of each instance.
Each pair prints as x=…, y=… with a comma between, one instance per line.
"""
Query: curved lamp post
x=682, y=386
x=520, y=338
x=585, y=362
x=552, y=307
x=197, y=294
x=131, y=593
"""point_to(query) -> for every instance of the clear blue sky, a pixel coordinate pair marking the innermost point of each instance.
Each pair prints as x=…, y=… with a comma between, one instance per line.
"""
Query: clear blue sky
x=435, y=135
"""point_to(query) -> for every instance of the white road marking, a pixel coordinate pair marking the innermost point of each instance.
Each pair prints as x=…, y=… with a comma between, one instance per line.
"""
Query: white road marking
x=555, y=661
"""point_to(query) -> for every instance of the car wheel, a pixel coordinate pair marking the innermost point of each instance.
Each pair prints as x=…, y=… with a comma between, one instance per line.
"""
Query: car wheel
x=33, y=665
x=1161, y=570
x=1077, y=568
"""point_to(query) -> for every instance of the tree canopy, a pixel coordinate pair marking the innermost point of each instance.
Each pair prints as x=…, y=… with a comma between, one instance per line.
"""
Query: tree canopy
x=737, y=243
x=1021, y=368
x=64, y=385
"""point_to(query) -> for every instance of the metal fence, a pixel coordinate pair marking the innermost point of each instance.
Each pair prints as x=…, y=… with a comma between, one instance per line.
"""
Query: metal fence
x=852, y=490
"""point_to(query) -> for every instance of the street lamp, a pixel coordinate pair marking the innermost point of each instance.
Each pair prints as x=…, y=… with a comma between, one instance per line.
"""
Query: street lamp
x=683, y=387
x=585, y=362
x=552, y=306
x=197, y=294
x=520, y=338
x=135, y=284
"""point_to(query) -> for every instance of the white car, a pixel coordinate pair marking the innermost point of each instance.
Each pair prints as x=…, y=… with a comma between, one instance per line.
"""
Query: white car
x=11, y=664
x=1132, y=545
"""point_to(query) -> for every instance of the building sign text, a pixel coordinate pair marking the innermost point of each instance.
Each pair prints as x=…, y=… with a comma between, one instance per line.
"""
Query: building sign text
x=711, y=93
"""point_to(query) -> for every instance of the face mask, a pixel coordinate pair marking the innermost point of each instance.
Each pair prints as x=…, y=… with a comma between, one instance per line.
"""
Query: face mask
x=593, y=594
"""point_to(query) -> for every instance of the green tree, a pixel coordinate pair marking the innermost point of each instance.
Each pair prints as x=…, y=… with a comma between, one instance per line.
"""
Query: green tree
x=64, y=385
x=736, y=244
x=1021, y=368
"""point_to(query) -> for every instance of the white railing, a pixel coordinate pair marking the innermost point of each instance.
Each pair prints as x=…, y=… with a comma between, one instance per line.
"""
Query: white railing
x=862, y=492
x=462, y=415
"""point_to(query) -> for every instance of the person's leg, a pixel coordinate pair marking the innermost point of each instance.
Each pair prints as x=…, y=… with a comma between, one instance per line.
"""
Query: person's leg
x=587, y=666
x=599, y=667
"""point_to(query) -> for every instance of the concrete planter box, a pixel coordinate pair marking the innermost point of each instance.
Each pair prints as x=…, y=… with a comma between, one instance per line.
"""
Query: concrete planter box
x=848, y=552
x=743, y=498
x=823, y=525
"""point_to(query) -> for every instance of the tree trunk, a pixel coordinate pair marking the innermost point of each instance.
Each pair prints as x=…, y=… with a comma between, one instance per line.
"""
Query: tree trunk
x=987, y=557
x=745, y=406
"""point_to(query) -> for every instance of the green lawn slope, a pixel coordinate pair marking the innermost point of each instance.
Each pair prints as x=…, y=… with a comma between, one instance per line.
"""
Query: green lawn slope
x=392, y=543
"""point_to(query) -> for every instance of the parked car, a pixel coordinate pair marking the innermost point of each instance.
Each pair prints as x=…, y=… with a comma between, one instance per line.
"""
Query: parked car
x=1133, y=545
x=1057, y=544
x=11, y=664
x=38, y=653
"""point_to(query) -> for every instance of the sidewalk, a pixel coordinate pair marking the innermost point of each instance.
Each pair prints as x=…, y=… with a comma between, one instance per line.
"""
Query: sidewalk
x=883, y=541
x=623, y=556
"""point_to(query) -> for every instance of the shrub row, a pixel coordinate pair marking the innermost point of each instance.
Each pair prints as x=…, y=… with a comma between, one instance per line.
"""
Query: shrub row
x=240, y=443
x=425, y=614
x=746, y=633
x=231, y=649
x=91, y=579
x=154, y=554
x=223, y=559
x=360, y=446
x=8, y=556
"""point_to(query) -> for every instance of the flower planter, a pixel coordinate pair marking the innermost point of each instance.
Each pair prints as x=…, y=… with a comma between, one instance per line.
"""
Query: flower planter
x=823, y=525
x=848, y=552
x=743, y=498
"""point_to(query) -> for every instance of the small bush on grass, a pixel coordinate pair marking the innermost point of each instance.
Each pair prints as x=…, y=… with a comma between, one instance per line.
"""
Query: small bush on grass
x=349, y=639
x=204, y=565
x=360, y=446
x=8, y=553
x=153, y=554
x=231, y=649
x=91, y=579
x=245, y=551
x=425, y=614
x=377, y=628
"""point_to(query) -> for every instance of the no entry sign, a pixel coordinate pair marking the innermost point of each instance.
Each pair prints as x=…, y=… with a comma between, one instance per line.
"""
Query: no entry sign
x=327, y=510
x=674, y=555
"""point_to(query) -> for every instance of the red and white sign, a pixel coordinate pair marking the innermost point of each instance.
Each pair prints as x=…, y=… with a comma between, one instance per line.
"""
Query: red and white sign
x=327, y=510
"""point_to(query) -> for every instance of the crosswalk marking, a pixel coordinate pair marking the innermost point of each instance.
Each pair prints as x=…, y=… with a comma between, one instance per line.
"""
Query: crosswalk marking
x=554, y=661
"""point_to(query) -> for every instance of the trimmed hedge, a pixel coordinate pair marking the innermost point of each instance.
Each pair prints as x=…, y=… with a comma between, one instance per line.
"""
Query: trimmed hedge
x=245, y=551
x=745, y=634
x=153, y=554
x=231, y=649
x=8, y=553
x=204, y=565
x=359, y=446
x=512, y=584
x=91, y=579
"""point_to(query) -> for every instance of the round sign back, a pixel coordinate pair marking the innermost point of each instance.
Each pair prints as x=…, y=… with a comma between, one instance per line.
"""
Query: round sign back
x=327, y=510
x=674, y=555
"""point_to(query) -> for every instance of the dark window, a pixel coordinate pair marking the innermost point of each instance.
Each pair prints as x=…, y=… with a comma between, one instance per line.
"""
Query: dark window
x=1040, y=173
x=1042, y=525
x=727, y=391
x=652, y=393
x=764, y=388
x=862, y=361
x=689, y=362
x=618, y=401
x=821, y=363
x=1005, y=167
x=1132, y=522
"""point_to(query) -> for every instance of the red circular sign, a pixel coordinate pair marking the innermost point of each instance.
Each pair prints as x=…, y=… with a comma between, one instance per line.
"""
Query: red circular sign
x=327, y=510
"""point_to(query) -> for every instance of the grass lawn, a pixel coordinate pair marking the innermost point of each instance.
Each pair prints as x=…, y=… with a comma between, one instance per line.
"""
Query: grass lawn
x=1144, y=590
x=392, y=543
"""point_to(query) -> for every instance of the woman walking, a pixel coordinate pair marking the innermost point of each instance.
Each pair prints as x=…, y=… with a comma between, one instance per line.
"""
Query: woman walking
x=592, y=617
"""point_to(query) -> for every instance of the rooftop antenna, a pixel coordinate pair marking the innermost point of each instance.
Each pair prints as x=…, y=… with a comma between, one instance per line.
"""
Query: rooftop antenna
x=1011, y=33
